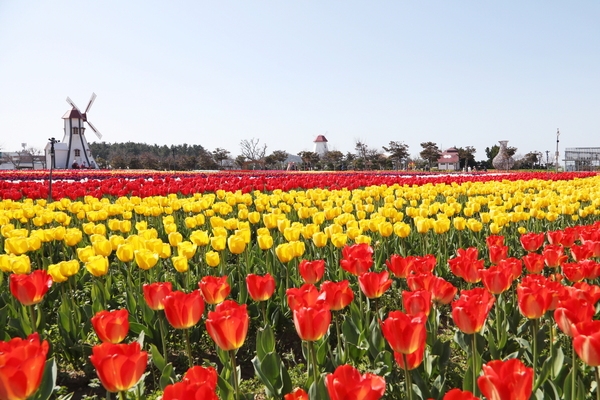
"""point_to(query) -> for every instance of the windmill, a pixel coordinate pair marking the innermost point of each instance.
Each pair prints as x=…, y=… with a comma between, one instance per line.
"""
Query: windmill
x=74, y=145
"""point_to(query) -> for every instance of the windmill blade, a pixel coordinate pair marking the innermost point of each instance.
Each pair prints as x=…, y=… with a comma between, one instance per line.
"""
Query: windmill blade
x=90, y=103
x=73, y=105
x=94, y=129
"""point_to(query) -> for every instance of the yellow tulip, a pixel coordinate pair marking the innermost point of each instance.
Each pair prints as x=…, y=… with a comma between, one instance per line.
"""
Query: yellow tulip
x=34, y=243
x=113, y=224
x=270, y=221
x=125, y=226
x=495, y=228
x=84, y=253
x=459, y=223
x=339, y=240
x=385, y=229
x=298, y=248
x=199, y=238
x=522, y=230
x=141, y=225
x=320, y=239
x=212, y=258
x=190, y=222
x=6, y=229
x=116, y=241
x=423, y=225
x=284, y=252
x=16, y=245
x=187, y=249
x=125, y=252
x=180, y=263
x=5, y=262
x=54, y=272
x=102, y=247
x=170, y=228
x=474, y=225
x=291, y=233
x=20, y=264
x=218, y=243
x=362, y=239
x=97, y=265
x=69, y=268
x=243, y=214
x=441, y=225
x=401, y=229
x=175, y=238
x=58, y=233
x=145, y=259
x=254, y=217
x=219, y=231
x=164, y=251
x=265, y=241
x=236, y=244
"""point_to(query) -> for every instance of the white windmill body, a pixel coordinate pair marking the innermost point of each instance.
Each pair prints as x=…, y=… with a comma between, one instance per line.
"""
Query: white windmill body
x=74, y=151
x=321, y=145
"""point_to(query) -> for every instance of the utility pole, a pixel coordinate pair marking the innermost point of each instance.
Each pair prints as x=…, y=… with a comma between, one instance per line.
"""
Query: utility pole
x=52, y=141
x=557, y=135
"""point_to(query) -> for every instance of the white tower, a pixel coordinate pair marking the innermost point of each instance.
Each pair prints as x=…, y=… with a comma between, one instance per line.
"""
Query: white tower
x=74, y=148
x=320, y=145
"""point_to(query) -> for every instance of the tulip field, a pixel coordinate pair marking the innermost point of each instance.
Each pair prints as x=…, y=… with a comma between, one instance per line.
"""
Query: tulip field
x=298, y=285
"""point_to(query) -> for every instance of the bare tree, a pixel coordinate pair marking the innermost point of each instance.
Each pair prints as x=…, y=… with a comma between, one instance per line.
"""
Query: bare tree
x=252, y=150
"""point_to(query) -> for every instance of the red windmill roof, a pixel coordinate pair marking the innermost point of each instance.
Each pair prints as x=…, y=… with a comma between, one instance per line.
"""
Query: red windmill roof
x=320, y=138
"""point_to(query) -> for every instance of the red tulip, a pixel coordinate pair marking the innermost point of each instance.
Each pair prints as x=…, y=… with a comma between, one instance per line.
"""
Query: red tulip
x=338, y=295
x=594, y=246
x=311, y=271
x=305, y=295
x=592, y=291
x=553, y=255
x=442, y=291
x=298, y=394
x=555, y=237
x=197, y=383
x=347, y=383
x=581, y=252
x=515, y=265
x=155, y=293
x=119, y=366
x=416, y=302
x=494, y=240
x=532, y=241
x=413, y=360
x=111, y=326
x=30, y=288
x=506, y=380
x=400, y=266
x=424, y=264
x=457, y=394
x=228, y=325
x=404, y=332
x=586, y=341
x=576, y=272
x=312, y=320
x=374, y=284
x=22, y=366
x=497, y=279
x=498, y=253
x=570, y=235
x=184, y=310
x=471, y=309
x=214, y=289
x=533, y=296
x=260, y=288
x=571, y=311
x=592, y=269
x=466, y=265
x=534, y=263
x=357, y=258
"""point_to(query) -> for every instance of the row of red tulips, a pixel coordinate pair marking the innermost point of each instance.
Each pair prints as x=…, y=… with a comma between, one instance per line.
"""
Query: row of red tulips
x=89, y=183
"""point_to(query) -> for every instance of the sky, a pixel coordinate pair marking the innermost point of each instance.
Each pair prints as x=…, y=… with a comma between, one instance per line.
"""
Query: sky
x=215, y=73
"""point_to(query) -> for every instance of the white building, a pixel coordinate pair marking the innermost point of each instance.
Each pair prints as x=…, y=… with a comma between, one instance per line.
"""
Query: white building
x=321, y=145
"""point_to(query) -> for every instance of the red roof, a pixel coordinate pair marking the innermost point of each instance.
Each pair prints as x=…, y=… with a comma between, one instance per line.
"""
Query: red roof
x=448, y=157
x=320, y=138
x=73, y=113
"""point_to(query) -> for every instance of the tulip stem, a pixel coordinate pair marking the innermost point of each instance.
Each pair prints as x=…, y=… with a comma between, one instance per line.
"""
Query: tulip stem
x=161, y=328
x=535, y=328
x=263, y=307
x=597, y=383
x=234, y=374
x=122, y=395
x=313, y=356
x=189, y=347
x=32, y=318
x=475, y=364
x=407, y=377
x=574, y=372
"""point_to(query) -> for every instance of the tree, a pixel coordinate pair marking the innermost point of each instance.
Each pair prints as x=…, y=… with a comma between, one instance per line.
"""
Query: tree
x=466, y=156
x=309, y=159
x=333, y=159
x=361, y=149
x=220, y=155
x=276, y=159
x=398, y=151
x=252, y=150
x=240, y=161
x=431, y=153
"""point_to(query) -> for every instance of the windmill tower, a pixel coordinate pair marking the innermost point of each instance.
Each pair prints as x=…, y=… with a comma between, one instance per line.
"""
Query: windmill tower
x=321, y=145
x=74, y=151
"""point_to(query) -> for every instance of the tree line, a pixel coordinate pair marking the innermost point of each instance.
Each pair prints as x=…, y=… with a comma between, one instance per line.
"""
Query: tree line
x=254, y=155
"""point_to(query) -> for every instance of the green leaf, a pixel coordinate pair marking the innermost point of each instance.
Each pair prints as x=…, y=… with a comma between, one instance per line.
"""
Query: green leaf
x=139, y=328
x=265, y=341
x=226, y=391
x=262, y=373
x=558, y=361
x=167, y=376
x=48, y=381
x=157, y=358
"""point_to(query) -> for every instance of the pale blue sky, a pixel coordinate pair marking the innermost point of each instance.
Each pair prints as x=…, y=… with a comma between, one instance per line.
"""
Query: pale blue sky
x=458, y=73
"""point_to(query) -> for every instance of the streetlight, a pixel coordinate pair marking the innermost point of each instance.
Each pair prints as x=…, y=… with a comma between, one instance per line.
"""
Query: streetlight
x=547, y=159
x=557, y=135
x=52, y=141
